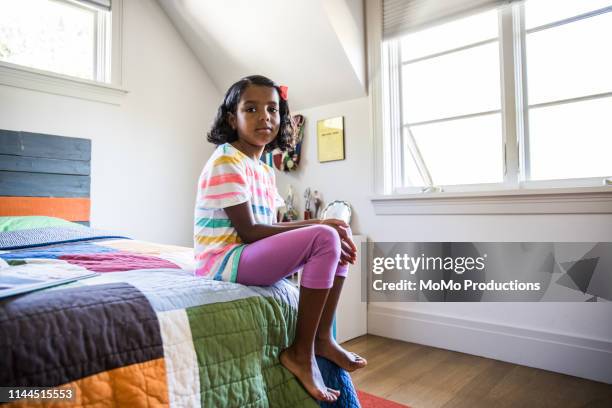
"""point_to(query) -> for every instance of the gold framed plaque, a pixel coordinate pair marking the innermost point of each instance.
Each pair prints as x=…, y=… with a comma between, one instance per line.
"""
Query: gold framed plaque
x=330, y=139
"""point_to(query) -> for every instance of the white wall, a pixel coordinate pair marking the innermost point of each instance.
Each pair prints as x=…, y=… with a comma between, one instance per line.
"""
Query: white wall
x=148, y=152
x=315, y=46
x=581, y=325
x=347, y=19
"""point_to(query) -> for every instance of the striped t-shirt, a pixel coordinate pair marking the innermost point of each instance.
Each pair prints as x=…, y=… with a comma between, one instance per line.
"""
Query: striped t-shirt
x=229, y=178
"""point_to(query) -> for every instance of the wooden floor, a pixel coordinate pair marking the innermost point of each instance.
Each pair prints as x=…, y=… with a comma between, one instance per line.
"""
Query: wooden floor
x=428, y=377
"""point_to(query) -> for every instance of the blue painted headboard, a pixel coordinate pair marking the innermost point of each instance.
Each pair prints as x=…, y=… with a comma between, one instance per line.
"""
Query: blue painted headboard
x=44, y=174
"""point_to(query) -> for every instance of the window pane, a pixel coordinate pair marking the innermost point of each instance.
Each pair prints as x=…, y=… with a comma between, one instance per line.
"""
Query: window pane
x=570, y=60
x=454, y=84
x=50, y=35
x=412, y=175
x=451, y=35
x=540, y=12
x=572, y=140
x=465, y=151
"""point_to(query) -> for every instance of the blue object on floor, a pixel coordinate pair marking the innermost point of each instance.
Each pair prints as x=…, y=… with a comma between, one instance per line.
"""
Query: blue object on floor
x=340, y=380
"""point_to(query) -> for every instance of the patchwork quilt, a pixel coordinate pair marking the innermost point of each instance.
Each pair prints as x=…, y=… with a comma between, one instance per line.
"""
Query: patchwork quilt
x=145, y=331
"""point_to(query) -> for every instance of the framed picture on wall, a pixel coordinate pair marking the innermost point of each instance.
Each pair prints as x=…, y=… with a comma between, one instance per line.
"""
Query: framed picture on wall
x=330, y=139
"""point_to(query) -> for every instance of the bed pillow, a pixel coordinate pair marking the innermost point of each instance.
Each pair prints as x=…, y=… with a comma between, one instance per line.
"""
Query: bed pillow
x=20, y=223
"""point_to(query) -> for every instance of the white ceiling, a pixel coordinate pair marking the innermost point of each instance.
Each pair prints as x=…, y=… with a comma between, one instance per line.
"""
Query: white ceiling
x=315, y=47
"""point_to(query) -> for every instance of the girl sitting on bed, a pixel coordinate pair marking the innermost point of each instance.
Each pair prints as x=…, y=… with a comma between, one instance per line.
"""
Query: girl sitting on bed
x=237, y=238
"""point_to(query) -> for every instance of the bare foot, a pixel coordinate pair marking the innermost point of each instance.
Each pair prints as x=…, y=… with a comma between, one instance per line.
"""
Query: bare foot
x=307, y=372
x=332, y=351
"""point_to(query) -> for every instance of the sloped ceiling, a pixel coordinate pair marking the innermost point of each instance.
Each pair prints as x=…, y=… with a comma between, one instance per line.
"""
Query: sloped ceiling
x=315, y=47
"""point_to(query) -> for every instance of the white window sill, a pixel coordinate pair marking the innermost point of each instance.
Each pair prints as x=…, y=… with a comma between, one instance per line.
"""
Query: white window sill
x=58, y=84
x=582, y=200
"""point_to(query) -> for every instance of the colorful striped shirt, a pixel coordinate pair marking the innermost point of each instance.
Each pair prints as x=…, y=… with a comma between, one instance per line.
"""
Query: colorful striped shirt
x=229, y=178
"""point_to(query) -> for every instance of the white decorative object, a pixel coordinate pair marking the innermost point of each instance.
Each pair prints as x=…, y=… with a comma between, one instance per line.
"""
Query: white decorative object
x=340, y=210
x=317, y=203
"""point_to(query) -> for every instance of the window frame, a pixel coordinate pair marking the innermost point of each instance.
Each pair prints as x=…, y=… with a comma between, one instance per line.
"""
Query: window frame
x=108, y=37
x=525, y=106
x=590, y=195
x=406, y=126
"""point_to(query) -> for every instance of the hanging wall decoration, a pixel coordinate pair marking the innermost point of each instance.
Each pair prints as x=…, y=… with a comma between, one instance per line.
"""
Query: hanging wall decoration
x=330, y=139
x=288, y=160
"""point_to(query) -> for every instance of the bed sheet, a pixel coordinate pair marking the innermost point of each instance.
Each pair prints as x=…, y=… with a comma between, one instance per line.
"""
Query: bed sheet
x=145, y=331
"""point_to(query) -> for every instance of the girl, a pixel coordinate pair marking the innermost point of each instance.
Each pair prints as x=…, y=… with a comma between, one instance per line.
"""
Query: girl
x=237, y=237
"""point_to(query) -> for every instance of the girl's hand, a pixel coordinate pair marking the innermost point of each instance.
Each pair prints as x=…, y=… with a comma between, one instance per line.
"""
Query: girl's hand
x=347, y=255
x=347, y=246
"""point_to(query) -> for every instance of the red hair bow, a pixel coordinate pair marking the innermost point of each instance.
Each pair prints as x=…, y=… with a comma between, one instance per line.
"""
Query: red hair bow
x=283, y=90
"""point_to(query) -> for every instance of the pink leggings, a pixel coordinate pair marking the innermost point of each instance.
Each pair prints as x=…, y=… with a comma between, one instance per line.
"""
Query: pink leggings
x=316, y=248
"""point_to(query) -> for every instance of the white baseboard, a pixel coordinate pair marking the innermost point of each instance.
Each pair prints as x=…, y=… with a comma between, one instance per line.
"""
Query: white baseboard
x=562, y=353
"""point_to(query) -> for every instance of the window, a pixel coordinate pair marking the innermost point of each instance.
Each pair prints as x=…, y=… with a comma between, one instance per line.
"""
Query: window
x=66, y=47
x=569, y=89
x=517, y=96
x=61, y=36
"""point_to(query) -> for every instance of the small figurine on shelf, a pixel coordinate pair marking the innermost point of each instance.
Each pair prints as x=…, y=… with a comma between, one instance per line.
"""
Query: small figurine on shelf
x=307, y=202
x=317, y=203
x=291, y=214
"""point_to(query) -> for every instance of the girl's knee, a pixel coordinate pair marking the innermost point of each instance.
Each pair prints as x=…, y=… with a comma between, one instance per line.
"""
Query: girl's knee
x=327, y=235
x=342, y=270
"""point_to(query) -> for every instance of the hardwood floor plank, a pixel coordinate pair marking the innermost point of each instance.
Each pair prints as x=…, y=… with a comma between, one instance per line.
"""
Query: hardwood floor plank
x=476, y=391
x=438, y=385
x=428, y=377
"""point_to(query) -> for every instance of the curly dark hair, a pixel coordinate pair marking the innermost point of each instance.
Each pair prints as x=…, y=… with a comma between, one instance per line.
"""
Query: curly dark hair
x=221, y=131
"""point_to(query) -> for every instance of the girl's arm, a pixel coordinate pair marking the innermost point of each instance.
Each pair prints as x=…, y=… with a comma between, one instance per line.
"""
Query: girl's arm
x=303, y=223
x=241, y=217
x=249, y=231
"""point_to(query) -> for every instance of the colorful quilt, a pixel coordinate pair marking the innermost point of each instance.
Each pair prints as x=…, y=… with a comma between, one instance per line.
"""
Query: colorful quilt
x=145, y=331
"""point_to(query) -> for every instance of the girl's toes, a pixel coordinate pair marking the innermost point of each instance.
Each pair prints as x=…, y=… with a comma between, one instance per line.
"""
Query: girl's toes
x=327, y=396
x=321, y=395
x=360, y=360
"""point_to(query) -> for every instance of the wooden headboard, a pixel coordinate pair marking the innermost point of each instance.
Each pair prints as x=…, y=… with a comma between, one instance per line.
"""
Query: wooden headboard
x=44, y=175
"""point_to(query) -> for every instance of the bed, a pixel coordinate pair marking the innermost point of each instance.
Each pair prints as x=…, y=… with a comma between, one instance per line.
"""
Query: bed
x=144, y=331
